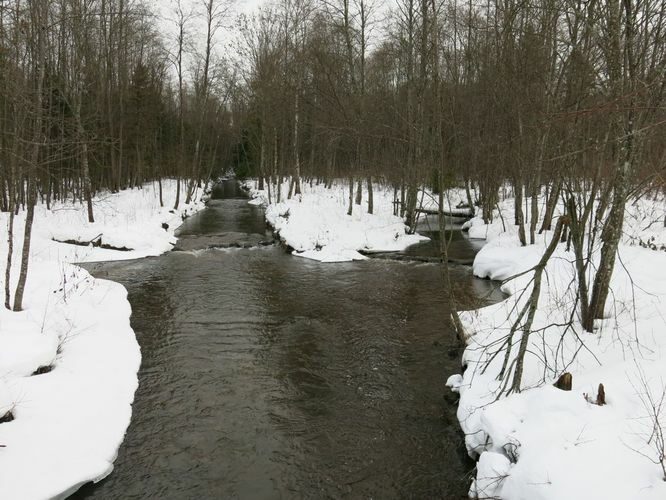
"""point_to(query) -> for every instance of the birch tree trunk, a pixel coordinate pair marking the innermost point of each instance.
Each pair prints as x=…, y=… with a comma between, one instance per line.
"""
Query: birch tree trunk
x=39, y=20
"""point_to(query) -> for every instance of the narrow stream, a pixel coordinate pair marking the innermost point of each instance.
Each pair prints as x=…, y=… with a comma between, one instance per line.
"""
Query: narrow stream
x=267, y=376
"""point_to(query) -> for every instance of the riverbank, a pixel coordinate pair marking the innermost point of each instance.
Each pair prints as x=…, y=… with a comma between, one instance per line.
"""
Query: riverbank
x=542, y=443
x=320, y=367
x=316, y=225
x=548, y=444
x=69, y=360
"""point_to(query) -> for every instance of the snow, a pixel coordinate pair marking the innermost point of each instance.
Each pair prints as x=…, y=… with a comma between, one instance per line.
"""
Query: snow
x=491, y=470
x=549, y=444
x=539, y=444
x=68, y=423
x=316, y=225
x=542, y=443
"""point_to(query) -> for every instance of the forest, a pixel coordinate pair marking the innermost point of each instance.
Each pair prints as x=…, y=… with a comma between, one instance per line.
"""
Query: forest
x=544, y=120
x=561, y=96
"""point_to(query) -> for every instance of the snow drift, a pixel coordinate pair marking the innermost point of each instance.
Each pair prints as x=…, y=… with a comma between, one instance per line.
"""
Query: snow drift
x=69, y=360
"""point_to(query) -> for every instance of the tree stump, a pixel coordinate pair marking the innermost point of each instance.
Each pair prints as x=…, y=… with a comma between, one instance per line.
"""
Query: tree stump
x=564, y=382
x=601, y=395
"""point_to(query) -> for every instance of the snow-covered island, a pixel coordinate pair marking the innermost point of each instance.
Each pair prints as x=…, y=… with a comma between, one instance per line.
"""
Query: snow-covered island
x=316, y=225
x=69, y=359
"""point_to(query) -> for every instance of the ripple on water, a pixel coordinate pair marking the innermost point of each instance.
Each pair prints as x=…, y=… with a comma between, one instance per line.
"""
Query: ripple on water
x=266, y=376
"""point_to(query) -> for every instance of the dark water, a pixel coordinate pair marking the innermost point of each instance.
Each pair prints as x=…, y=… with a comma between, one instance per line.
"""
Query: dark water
x=460, y=247
x=267, y=376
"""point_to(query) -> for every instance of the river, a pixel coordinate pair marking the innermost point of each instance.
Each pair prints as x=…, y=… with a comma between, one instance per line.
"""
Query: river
x=268, y=376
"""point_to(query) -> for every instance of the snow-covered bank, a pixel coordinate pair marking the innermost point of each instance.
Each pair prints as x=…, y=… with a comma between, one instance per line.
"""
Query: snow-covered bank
x=316, y=225
x=69, y=422
x=544, y=443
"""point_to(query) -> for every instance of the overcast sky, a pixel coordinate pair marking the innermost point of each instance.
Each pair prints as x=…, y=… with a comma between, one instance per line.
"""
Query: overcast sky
x=227, y=40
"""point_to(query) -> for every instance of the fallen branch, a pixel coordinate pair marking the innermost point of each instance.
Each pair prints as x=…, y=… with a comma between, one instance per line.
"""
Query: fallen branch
x=95, y=242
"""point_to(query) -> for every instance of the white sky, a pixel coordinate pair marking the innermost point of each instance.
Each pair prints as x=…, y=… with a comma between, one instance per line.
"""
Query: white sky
x=227, y=39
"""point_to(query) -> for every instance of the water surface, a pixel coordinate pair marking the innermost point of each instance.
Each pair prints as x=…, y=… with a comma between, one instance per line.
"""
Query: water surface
x=267, y=376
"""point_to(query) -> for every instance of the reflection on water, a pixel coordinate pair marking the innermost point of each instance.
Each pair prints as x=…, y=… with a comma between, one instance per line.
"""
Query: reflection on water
x=267, y=376
x=219, y=219
x=460, y=247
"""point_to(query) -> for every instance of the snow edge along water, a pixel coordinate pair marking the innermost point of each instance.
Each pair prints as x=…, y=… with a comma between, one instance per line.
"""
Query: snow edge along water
x=542, y=443
x=549, y=444
x=70, y=422
x=316, y=226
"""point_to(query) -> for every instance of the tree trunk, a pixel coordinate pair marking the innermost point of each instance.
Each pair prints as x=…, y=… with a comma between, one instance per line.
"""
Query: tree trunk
x=292, y=182
x=532, y=305
x=444, y=252
x=611, y=234
x=25, y=254
x=520, y=217
x=534, y=214
x=86, y=181
x=10, y=252
x=12, y=206
x=297, y=159
x=468, y=193
x=40, y=14
x=410, y=209
x=85, y=168
x=269, y=190
x=551, y=205
x=577, y=234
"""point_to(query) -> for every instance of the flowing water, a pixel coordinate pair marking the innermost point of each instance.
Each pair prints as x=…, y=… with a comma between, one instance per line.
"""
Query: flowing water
x=267, y=376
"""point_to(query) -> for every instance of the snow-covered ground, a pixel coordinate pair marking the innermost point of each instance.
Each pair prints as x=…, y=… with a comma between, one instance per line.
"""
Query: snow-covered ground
x=542, y=443
x=68, y=423
x=549, y=444
x=316, y=225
